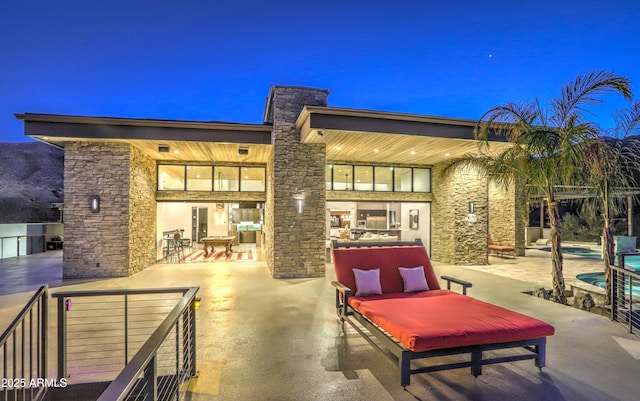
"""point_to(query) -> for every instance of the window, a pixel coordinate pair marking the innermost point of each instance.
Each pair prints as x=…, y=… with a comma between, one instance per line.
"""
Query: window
x=252, y=179
x=402, y=178
x=345, y=177
x=199, y=178
x=328, y=173
x=342, y=177
x=363, y=178
x=383, y=178
x=421, y=180
x=211, y=178
x=226, y=178
x=171, y=178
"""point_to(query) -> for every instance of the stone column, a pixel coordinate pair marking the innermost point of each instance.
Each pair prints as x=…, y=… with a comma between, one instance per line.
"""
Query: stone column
x=119, y=240
x=455, y=238
x=295, y=218
x=142, y=211
x=506, y=219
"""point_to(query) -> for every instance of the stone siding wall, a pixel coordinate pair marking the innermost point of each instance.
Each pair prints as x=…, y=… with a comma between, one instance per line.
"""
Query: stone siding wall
x=506, y=222
x=454, y=239
x=96, y=244
x=295, y=244
x=142, y=211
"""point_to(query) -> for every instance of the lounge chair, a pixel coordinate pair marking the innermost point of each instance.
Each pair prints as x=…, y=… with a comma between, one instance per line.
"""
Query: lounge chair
x=500, y=250
x=390, y=295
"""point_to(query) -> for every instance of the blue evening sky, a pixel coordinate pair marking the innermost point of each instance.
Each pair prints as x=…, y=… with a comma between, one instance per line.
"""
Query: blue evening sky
x=215, y=60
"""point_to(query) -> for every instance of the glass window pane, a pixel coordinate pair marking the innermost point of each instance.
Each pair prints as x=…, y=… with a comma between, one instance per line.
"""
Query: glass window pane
x=171, y=178
x=364, y=178
x=226, y=178
x=402, y=179
x=327, y=177
x=383, y=178
x=421, y=180
x=199, y=178
x=252, y=179
x=342, y=177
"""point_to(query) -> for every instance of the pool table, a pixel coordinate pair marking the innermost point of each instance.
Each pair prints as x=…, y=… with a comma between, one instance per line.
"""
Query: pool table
x=212, y=242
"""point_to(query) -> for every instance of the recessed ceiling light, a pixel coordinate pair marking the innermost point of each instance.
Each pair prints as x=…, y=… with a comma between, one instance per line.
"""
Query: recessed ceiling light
x=376, y=150
x=413, y=152
x=176, y=151
x=338, y=148
x=446, y=154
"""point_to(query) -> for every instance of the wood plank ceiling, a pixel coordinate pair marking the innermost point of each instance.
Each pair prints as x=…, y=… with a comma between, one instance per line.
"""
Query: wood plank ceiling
x=187, y=151
x=369, y=147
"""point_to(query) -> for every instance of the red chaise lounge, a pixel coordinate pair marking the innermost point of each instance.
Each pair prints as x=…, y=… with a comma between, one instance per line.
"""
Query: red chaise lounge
x=413, y=322
x=500, y=250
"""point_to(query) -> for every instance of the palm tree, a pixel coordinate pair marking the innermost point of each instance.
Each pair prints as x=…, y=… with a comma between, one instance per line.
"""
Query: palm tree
x=550, y=145
x=611, y=164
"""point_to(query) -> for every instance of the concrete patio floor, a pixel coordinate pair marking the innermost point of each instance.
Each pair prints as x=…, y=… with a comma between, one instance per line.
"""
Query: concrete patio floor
x=266, y=339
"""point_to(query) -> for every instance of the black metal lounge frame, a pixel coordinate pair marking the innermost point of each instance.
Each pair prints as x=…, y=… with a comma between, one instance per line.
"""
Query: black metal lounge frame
x=401, y=356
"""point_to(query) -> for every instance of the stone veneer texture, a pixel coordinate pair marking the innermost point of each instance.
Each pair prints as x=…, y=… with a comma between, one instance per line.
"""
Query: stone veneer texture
x=506, y=222
x=454, y=239
x=142, y=216
x=295, y=242
x=113, y=242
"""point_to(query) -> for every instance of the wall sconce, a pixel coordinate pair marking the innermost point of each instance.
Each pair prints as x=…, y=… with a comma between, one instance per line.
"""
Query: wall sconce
x=299, y=202
x=471, y=217
x=94, y=203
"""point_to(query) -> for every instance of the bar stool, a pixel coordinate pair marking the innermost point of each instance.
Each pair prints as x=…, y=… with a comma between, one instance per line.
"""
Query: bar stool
x=187, y=250
x=178, y=249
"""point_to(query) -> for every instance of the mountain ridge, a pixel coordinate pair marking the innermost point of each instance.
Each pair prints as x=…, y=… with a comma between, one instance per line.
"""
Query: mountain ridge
x=31, y=179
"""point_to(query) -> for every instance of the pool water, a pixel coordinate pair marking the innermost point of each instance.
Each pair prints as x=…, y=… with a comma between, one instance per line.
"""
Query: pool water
x=577, y=251
x=592, y=278
x=599, y=280
x=633, y=262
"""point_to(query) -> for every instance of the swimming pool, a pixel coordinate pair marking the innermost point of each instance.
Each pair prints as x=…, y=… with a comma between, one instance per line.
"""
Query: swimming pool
x=631, y=261
x=577, y=251
x=599, y=280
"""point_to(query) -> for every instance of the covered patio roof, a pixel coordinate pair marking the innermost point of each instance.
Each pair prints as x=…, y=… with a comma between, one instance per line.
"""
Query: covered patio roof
x=186, y=140
x=351, y=135
x=357, y=135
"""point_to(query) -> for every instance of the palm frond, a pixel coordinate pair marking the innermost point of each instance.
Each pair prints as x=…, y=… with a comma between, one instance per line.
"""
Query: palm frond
x=627, y=121
x=505, y=121
x=584, y=91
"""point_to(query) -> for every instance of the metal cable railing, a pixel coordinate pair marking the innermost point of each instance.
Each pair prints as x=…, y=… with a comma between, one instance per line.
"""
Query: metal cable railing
x=107, y=335
x=23, y=346
x=625, y=293
x=100, y=331
x=164, y=365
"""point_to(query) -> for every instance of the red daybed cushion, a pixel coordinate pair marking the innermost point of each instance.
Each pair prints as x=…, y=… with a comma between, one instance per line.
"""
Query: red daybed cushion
x=440, y=319
x=387, y=259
